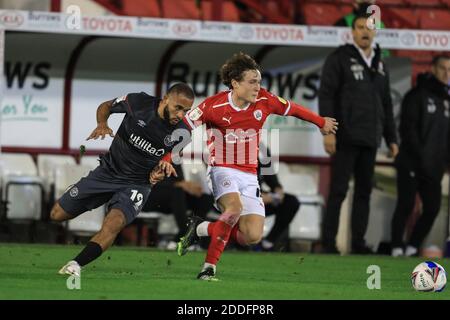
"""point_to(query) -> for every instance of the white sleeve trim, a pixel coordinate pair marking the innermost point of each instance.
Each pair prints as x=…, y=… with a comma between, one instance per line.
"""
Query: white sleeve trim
x=288, y=108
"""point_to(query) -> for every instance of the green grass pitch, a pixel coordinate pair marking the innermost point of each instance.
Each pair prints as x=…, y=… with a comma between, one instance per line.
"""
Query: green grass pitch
x=30, y=272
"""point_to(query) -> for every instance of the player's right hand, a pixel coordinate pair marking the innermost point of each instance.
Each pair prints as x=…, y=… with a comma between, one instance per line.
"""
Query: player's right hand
x=329, y=143
x=156, y=176
x=101, y=130
x=167, y=168
x=330, y=126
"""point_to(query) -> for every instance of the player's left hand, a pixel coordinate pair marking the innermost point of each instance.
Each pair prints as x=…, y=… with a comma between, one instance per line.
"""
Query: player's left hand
x=156, y=176
x=280, y=192
x=330, y=126
x=393, y=150
x=167, y=168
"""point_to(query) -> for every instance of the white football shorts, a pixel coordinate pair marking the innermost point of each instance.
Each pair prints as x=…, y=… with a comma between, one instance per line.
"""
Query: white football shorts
x=223, y=180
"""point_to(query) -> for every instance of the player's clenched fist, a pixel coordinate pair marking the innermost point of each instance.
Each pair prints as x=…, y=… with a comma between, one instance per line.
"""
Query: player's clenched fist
x=330, y=126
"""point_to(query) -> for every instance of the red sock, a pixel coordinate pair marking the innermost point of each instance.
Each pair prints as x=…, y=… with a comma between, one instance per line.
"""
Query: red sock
x=220, y=234
x=237, y=236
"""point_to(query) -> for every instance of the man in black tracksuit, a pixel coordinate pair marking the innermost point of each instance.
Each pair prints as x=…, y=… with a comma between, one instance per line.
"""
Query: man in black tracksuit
x=424, y=154
x=355, y=90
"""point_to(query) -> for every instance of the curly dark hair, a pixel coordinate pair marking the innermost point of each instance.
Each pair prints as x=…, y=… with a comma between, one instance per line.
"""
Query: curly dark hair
x=234, y=68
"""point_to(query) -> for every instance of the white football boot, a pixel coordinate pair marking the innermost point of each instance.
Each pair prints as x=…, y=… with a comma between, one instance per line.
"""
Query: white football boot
x=72, y=267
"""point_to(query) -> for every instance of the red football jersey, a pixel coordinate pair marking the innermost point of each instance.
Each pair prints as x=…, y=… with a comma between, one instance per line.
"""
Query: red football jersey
x=234, y=133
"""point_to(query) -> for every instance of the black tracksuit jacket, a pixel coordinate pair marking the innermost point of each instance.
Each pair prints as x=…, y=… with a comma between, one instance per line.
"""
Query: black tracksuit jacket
x=358, y=97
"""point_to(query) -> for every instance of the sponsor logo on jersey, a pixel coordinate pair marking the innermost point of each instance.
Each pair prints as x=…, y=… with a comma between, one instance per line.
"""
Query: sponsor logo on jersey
x=227, y=120
x=195, y=114
x=258, y=113
x=144, y=145
x=141, y=123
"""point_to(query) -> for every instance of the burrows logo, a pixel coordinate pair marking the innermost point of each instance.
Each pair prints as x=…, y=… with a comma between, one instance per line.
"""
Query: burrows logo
x=144, y=145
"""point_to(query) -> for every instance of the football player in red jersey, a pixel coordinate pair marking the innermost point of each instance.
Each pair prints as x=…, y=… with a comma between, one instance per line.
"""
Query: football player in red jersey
x=234, y=120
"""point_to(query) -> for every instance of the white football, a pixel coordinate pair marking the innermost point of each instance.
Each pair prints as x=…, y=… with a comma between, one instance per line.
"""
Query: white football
x=429, y=276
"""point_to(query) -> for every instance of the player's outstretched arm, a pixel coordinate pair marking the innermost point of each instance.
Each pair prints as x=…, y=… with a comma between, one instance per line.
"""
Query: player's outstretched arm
x=330, y=126
x=103, y=112
x=327, y=125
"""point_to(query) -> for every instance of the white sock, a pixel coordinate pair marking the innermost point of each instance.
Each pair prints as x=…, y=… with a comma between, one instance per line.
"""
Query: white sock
x=209, y=265
x=202, y=229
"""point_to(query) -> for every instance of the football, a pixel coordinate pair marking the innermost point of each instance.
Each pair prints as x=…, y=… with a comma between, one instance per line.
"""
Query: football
x=429, y=276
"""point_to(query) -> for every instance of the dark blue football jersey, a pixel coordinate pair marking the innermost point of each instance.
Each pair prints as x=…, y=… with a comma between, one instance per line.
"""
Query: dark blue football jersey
x=142, y=139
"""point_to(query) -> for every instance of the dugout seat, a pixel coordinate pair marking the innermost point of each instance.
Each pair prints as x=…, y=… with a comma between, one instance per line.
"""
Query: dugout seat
x=46, y=164
x=22, y=189
x=306, y=224
x=89, y=222
x=90, y=161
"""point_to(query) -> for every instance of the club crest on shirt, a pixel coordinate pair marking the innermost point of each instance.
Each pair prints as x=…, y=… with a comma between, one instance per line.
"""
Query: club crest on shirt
x=258, y=114
x=195, y=114
x=168, y=141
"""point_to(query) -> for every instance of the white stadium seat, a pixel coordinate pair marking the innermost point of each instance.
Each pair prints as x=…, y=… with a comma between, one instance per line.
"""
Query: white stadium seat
x=306, y=224
x=90, y=161
x=22, y=189
x=46, y=164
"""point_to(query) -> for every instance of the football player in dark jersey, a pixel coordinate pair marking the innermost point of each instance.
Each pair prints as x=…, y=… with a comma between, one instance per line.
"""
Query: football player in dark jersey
x=127, y=171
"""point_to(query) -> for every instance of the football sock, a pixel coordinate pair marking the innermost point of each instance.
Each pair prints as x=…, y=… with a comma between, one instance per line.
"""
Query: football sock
x=202, y=229
x=220, y=233
x=91, y=252
x=238, y=236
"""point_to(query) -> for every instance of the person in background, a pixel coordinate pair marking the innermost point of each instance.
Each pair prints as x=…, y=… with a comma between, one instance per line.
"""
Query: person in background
x=424, y=154
x=355, y=89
